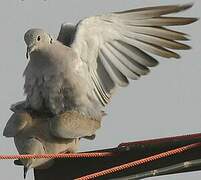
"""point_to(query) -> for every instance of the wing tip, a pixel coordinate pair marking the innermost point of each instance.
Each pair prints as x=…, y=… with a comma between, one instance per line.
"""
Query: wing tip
x=187, y=6
x=194, y=20
x=190, y=21
x=155, y=64
x=177, y=56
x=177, y=7
x=187, y=47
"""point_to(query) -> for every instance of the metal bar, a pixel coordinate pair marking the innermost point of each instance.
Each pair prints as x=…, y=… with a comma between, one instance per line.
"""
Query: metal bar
x=180, y=167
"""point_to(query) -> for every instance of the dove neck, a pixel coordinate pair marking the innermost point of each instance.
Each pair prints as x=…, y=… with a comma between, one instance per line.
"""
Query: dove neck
x=40, y=58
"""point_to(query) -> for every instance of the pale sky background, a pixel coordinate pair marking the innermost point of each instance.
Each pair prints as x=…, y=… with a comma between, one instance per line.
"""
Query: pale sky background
x=165, y=103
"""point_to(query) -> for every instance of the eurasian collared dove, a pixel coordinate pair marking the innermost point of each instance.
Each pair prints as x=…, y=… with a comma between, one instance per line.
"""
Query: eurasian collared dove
x=80, y=70
x=32, y=136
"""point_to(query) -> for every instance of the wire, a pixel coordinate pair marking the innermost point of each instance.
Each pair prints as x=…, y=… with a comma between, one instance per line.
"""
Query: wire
x=164, y=171
x=58, y=156
x=140, y=162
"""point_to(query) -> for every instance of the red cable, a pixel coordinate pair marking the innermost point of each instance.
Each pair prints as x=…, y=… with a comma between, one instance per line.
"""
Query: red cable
x=140, y=162
x=56, y=156
x=99, y=154
x=110, y=154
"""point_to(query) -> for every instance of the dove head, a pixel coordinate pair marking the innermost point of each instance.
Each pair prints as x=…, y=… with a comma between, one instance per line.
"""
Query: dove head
x=36, y=39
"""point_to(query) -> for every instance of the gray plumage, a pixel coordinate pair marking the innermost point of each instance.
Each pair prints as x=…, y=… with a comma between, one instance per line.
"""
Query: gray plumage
x=81, y=70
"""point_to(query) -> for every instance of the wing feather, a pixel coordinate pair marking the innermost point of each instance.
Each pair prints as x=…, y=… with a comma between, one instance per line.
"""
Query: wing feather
x=157, y=41
x=118, y=46
x=159, y=32
x=149, y=47
x=114, y=60
x=135, y=53
x=114, y=73
x=161, y=21
x=129, y=63
x=150, y=12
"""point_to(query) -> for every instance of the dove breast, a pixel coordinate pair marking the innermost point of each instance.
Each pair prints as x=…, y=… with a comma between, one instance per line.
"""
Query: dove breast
x=55, y=80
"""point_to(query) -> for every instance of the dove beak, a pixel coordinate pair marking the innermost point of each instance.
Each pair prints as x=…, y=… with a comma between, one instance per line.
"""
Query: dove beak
x=30, y=49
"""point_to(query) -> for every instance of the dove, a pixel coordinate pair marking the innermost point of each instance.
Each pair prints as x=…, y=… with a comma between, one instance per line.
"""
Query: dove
x=32, y=136
x=69, y=124
x=81, y=69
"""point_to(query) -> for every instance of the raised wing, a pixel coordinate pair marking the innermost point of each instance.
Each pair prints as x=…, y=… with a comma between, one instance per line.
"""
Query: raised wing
x=115, y=46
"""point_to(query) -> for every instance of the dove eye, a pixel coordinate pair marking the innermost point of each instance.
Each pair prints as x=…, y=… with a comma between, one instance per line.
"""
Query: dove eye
x=38, y=38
